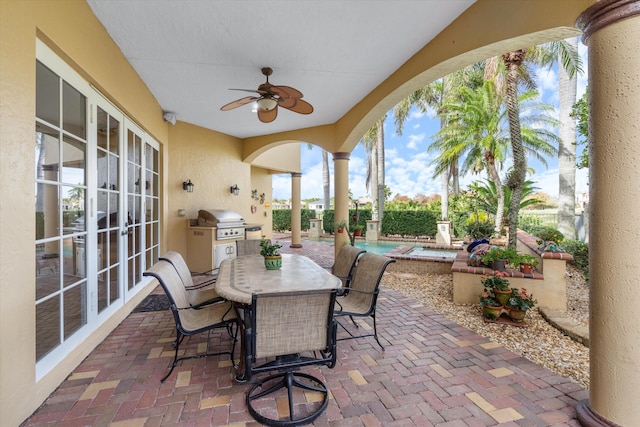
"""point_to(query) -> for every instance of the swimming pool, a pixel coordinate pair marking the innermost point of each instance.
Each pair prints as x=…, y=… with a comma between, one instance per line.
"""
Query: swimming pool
x=382, y=247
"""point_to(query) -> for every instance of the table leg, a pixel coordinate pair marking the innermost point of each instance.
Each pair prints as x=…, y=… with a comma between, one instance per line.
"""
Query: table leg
x=243, y=312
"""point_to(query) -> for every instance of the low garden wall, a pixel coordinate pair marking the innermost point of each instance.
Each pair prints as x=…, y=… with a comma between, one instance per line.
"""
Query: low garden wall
x=547, y=284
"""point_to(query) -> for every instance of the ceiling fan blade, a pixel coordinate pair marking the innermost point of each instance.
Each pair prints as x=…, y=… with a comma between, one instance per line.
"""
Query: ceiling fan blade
x=287, y=102
x=286, y=91
x=238, y=103
x=300, y=106
x=267, y=116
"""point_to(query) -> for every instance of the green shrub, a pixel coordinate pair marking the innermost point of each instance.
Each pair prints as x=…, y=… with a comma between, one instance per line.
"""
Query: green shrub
x=580, y=253
x=479, y=225
x=547, y=234
x=282, y=219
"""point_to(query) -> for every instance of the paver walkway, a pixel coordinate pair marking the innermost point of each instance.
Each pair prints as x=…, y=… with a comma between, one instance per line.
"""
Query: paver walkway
x=432, y=372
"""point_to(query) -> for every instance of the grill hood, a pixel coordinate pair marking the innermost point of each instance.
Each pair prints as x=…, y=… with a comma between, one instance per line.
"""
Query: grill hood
x=221, y=218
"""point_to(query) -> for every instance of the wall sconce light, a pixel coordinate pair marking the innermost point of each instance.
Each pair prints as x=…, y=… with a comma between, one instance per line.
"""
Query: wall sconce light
x=188, y=186
x=234, y=190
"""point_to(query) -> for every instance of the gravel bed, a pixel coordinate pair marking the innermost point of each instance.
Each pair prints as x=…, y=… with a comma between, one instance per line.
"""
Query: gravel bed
x=539, y=342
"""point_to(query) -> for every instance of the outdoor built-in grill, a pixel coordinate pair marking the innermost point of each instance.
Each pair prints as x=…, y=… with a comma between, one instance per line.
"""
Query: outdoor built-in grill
x=229, y=224
x=211, y=238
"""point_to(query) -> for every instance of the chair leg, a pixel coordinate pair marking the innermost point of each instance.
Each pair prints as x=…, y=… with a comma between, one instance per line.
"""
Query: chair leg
x=180, y=337
x=288, y=380
x=375, y=331
x=176, y=344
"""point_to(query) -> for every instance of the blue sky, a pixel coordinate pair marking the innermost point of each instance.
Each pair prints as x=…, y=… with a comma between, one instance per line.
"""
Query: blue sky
x=407, y=162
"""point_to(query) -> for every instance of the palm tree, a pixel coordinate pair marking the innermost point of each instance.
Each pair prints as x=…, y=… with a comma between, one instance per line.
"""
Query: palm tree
x=565, y=53
x=473, y=130
x=326, y=185
x=517, y=72
x=486, y=199
x=476, y=131
x=513, y=61
x=434, y=96
x=373, y=142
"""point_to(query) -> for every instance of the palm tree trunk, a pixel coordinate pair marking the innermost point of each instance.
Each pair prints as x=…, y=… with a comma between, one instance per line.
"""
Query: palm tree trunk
x=326, y=187
x=515, y=181
x=380, y=168
x=495, y=178
x=567, y=150
x=374, y=182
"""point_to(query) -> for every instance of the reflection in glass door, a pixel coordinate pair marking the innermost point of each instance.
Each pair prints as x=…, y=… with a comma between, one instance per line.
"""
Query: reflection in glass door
x=108, y=207
x=142, y=199
x=136, y=186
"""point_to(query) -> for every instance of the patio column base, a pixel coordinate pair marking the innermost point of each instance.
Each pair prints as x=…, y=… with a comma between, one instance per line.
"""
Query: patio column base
x=590, y=418
x=295, y=246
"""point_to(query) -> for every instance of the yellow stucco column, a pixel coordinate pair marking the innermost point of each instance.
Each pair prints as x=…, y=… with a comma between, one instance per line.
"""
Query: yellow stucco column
x=341, y=203
x=296, y=240
x=612, y=32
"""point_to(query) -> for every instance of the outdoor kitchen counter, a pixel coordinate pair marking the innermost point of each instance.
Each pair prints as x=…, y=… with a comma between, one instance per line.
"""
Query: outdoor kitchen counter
x=241, y=277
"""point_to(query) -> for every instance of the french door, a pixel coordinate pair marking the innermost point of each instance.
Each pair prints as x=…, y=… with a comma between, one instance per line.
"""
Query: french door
x=97, y=208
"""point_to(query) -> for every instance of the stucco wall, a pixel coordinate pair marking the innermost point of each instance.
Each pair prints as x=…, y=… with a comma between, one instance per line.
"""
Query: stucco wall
x=72, y=31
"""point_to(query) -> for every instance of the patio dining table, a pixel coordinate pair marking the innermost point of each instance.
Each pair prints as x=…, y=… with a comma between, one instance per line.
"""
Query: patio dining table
x=241, y=277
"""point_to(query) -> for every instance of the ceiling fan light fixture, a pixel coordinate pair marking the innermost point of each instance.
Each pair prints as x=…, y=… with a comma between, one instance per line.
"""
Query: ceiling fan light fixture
x=266, y=103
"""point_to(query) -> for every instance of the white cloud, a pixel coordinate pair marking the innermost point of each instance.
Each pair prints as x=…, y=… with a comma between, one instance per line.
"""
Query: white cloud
x=414, y=141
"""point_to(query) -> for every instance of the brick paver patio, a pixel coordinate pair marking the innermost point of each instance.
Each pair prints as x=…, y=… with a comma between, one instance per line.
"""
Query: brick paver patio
x=432, y=372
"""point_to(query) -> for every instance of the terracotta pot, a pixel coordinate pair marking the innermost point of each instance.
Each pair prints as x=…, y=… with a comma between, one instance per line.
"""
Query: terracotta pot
x=491, y=312
x=273, y=262
x=502, y=296
x=526, y=268
x=357, y=232
x=516, y=314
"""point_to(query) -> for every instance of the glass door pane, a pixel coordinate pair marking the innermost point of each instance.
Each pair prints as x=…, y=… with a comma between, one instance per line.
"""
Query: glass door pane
x=108, y=208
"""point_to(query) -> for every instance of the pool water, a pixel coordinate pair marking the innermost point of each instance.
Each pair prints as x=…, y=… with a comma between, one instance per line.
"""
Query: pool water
x=382, y=247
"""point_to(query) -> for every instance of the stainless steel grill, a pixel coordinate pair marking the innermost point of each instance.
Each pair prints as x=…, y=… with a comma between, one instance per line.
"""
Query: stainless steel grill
x=230, y=225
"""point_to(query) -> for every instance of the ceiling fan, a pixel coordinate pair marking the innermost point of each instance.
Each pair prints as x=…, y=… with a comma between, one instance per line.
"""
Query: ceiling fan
x=270, y=98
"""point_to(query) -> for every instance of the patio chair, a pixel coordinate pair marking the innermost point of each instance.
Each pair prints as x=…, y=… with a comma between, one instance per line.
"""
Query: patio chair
x=192, y=320
x=248, y=247
x=197, y=296
x=345, y=263
x=362, y=294
x=289, y=330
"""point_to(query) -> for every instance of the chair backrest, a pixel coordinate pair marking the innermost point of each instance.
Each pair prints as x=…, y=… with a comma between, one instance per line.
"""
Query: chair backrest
x=366, y=278
x=171, y=283
x=181, y=267
x=345, y=262
x=248, y=247
x=292, y=322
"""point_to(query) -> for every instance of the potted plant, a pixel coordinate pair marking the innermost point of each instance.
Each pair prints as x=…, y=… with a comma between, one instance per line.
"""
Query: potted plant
x=519, y=303
x=498, y=286
x=357, y=230
x=491, y=308
x=271, y=253
x=497, y=258
x=341, y=226
x=525, y=262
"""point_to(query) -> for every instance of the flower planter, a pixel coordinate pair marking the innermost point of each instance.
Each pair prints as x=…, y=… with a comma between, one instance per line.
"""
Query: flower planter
x=273, y=262
x=502, y=296
x=516, y=315
x=491, y=313
x=499, y=265
x=526, y=268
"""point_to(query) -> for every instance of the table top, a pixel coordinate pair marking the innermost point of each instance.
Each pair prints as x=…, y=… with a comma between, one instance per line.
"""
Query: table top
x=241, y=277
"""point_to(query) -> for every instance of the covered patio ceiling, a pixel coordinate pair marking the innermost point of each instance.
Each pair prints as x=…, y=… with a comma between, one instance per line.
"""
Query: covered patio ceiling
x=190, y=53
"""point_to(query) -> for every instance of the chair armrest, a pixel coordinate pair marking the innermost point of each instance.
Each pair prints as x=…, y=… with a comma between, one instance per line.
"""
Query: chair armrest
x=207, y=302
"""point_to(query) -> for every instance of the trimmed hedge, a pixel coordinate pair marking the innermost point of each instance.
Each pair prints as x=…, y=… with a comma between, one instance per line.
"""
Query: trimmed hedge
x=282, y=219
